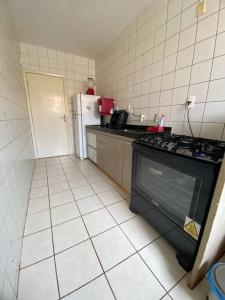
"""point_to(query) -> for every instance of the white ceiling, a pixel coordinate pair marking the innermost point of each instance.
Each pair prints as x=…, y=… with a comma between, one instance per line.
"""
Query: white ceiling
x=82, y=27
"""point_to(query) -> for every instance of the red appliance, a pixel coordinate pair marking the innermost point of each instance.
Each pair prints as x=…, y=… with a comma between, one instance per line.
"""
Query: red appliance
x=91, y=85
x=90, y=91
x=105, y=106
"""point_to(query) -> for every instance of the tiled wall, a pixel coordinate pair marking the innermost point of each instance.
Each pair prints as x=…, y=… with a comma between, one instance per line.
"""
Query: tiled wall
x=16, y=157
x=166, y=54
x=74, y=69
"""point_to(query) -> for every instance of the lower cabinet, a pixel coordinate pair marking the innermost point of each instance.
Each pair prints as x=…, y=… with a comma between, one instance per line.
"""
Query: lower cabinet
x=92, y=154
x=127, y=166
x=114, y=156
x=91, y=146
x=102, y=153
x=115, y=159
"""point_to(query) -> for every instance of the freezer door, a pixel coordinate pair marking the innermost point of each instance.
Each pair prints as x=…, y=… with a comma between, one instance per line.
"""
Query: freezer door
x=89, y=110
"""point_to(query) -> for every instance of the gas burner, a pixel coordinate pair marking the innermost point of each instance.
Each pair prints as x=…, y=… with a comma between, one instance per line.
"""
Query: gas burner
x=185, y=143
x=199, y=148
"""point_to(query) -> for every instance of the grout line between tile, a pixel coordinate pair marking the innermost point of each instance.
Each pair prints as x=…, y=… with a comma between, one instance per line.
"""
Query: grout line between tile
x=90, y=238
x=53, y=247
x=96, y=252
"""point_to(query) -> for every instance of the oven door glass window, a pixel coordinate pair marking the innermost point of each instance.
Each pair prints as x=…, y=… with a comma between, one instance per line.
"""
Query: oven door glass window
x=166, y=188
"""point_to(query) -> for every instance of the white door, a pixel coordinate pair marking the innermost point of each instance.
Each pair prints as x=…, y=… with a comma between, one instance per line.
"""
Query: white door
x=47, y=106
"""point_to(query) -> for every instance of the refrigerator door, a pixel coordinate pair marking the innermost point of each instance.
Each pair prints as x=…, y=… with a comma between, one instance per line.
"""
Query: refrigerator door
x=78, y=136
x=89, y=116
x=77, y=104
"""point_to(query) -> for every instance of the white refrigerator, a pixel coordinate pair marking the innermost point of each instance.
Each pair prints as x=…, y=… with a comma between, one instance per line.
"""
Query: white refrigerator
x=85, y=112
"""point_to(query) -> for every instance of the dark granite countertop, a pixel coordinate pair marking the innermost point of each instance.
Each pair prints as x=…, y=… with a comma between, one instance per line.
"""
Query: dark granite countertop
x=130, y=131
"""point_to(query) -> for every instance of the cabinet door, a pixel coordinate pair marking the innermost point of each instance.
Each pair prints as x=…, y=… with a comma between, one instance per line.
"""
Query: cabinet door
x=91, y=138
x=127, y=166
x=102, y=152
x=92, y=154
x=115, y=159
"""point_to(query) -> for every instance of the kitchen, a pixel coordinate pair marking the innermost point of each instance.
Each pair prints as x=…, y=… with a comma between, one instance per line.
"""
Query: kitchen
x=111, y=226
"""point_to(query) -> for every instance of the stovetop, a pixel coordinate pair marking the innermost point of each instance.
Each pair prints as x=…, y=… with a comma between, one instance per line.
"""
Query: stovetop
x=199, y=148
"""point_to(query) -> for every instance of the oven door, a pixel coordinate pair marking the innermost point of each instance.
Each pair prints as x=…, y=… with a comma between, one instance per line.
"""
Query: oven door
x=178, y=186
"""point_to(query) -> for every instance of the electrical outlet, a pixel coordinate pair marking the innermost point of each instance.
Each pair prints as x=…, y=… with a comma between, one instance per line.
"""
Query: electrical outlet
x=142, y=118
x=201, y=8
x=191, y=102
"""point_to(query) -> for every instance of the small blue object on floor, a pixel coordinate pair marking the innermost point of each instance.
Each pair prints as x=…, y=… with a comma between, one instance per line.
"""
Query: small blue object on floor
x=216, y=279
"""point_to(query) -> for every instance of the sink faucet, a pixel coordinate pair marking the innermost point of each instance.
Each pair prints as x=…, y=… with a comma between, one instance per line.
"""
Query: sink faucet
x=141, y=116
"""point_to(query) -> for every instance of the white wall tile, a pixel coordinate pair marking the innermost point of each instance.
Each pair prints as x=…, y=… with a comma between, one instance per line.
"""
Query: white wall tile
x=185, y=57
x=173, y=26
x=187, y=3
x=187, y=37
x=204, y=50
x=196, y=115
x=180, y=95
x=216, y=90
x=177, y=113
x=207, y=27
x=166, y=98
x=169, y=63
x=182, y=77
x=214, y=112
x=174, y=8
x=160, y=35
x=171, y=45
x=16, y=153
x=188, y=17
x=158, y=53
x=220, y=42
x=154, y=99
x=218, y=70
x=199, y=90
x=221, y=25
x=201, y=72
x=167, y=81
x=212, y=130
x=182, y=64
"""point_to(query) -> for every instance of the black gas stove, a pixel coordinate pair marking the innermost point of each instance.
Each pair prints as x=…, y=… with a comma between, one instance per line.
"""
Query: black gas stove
x=205, y=149
x=173, y=181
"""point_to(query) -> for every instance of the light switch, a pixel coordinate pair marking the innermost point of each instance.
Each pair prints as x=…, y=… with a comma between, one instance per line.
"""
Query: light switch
x=201, y=8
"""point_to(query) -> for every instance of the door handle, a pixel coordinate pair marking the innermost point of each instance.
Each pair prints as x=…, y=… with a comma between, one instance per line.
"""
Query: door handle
x=63, y=117
x=157, y=172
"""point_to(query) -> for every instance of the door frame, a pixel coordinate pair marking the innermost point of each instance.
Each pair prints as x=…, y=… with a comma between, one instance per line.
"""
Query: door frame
x=25, y=72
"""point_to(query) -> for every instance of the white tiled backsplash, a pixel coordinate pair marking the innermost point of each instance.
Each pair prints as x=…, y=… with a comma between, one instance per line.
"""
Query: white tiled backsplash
x=16, y=157
x=166, y=54
x=74, y=69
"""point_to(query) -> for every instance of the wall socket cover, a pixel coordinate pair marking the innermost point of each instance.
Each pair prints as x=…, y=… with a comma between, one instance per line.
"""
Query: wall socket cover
x=201, y=8
x=191, y=101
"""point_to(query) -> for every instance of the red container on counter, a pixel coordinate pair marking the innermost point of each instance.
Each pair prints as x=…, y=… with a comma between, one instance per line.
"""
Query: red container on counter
x=155, y=129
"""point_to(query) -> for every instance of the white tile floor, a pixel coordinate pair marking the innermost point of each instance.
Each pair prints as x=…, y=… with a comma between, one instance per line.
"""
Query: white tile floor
x=82, y=242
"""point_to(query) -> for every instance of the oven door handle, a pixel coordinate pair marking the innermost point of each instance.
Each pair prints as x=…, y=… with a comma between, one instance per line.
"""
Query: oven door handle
x=157, y=172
